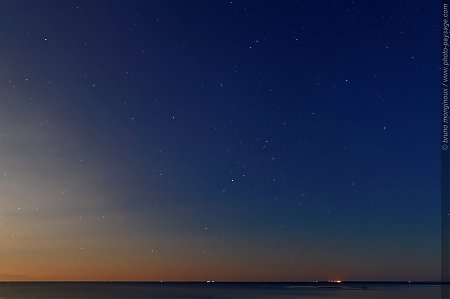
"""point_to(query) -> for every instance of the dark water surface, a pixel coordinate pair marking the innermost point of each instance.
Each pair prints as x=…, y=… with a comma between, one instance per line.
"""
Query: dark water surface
x=217, y=290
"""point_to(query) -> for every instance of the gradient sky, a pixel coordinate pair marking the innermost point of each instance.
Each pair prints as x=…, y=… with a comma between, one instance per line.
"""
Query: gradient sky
x=219, y=140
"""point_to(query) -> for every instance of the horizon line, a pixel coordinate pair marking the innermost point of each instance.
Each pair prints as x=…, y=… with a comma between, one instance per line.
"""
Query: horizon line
x=229, y=281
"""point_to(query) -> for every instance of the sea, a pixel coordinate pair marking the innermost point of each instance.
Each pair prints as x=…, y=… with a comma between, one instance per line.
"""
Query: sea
x=222, y=290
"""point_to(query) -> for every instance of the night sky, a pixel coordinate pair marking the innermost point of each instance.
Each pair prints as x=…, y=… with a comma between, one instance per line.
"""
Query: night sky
x=219, y=140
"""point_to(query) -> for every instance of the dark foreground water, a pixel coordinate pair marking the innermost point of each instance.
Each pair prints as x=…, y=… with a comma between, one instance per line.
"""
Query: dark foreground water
x=205, y=290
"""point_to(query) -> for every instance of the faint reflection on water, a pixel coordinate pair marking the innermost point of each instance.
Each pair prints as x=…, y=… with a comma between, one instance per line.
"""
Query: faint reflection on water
x=217, y=290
